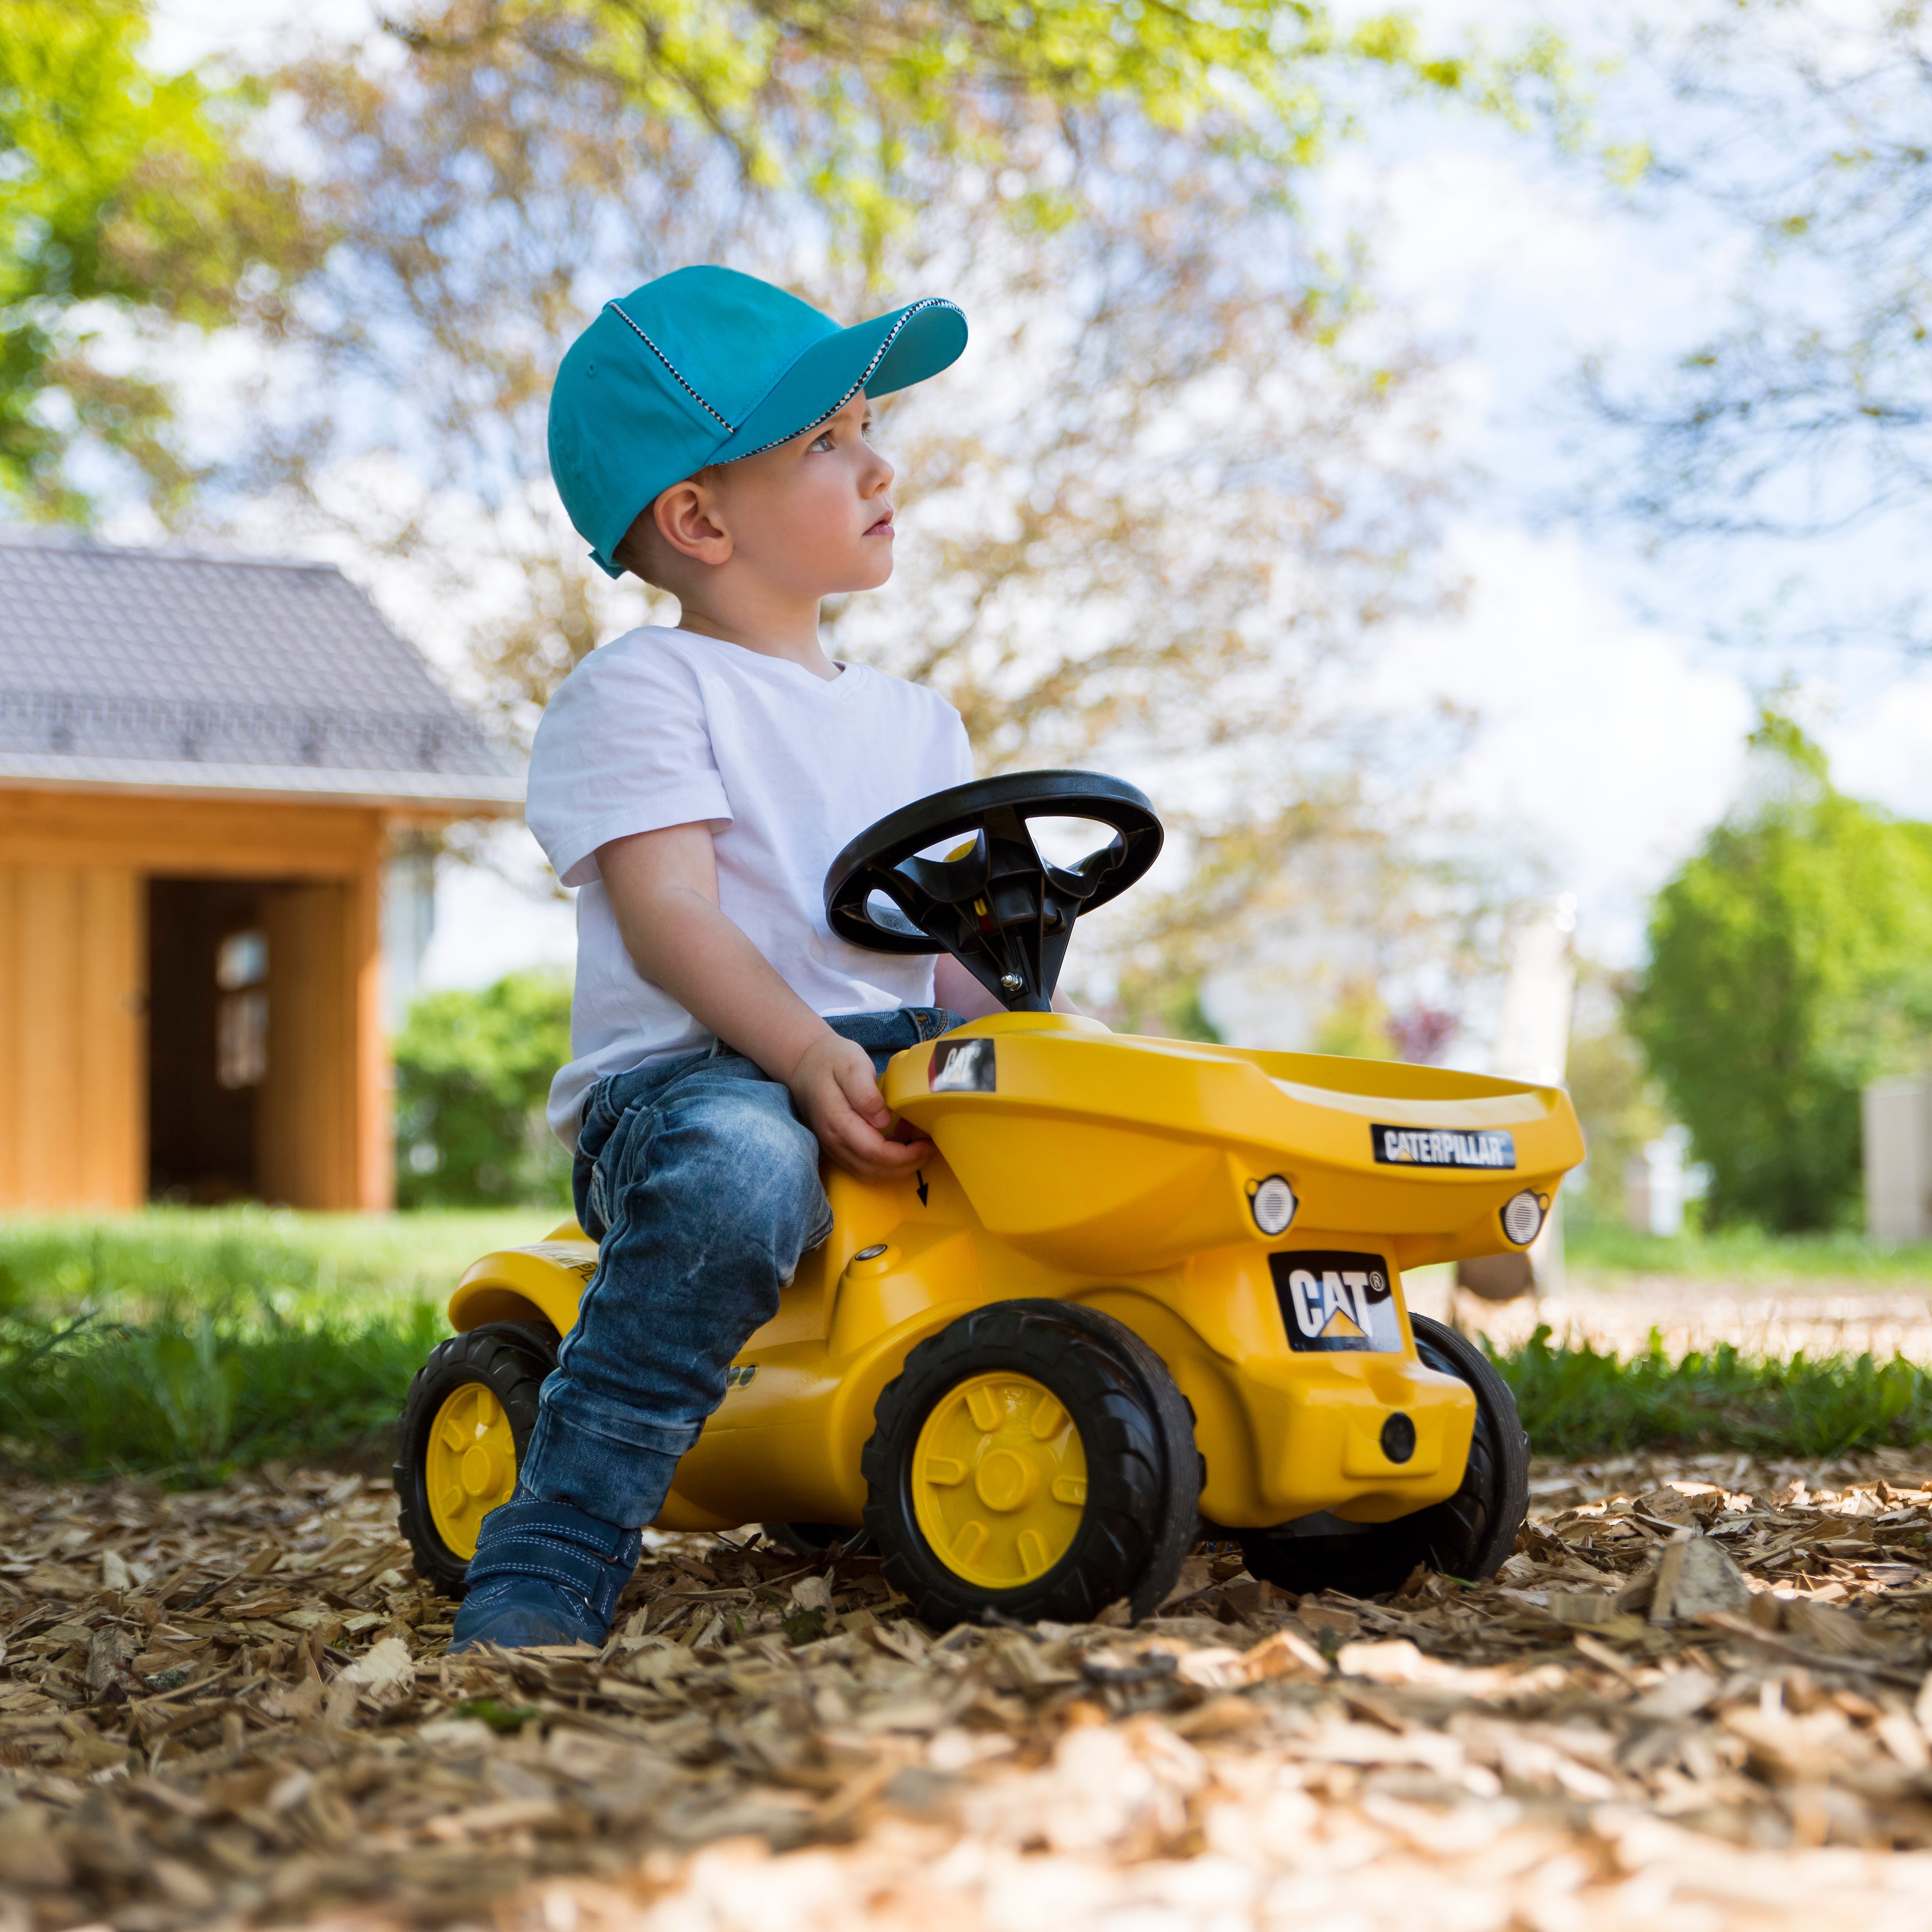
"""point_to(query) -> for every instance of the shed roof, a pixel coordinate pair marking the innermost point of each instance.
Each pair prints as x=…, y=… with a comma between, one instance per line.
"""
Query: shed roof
x=149, y=670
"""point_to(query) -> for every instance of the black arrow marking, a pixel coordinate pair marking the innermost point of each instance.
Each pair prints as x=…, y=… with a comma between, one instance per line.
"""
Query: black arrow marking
x=918, y=1175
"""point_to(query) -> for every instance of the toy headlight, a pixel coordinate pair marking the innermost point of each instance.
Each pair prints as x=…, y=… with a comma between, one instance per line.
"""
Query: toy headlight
x=1522, y=1217
x=1273, y=1203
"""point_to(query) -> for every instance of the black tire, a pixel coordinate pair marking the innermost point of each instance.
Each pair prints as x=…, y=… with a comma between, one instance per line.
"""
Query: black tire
x=511, y=1359
x=1467, y=1535
x=1141, y=1515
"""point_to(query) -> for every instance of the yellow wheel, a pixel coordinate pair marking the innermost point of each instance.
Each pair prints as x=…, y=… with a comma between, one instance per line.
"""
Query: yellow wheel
x=471, y=1465
x=1032, y=1460
x=461, y=1437
x=999, y=1481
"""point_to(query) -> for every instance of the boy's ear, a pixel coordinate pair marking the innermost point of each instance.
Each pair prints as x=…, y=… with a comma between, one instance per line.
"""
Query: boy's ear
x=684, y=520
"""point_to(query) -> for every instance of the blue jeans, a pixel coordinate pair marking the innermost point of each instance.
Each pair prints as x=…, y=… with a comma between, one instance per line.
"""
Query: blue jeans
x=701, y=1183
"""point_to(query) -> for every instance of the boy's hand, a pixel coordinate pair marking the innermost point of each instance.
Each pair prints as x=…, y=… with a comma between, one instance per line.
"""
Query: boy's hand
x=838, y=1094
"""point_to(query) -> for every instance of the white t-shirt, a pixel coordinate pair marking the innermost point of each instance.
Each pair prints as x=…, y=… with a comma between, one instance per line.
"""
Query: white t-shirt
x=666, y=728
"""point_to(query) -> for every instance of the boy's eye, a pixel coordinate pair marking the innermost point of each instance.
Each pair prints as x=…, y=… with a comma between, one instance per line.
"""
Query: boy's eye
x=827, y=440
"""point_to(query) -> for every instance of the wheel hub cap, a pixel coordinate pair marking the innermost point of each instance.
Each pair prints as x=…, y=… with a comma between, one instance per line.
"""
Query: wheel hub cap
x=999, y=1480
x=471, y=1465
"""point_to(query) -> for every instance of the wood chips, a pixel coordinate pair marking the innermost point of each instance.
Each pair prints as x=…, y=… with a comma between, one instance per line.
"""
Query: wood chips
x=1693, y=1701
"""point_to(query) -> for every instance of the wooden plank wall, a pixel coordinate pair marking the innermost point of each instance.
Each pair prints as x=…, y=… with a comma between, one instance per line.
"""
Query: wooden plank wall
x=72, y=1072
x=188, y=836
x=306, y=1148
x=73, y=1040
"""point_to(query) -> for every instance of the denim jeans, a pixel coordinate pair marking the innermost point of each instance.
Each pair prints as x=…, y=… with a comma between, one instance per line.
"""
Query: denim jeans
x=701, y=1183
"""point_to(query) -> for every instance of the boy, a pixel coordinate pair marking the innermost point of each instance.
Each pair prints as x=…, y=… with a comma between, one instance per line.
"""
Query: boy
x=708, y=433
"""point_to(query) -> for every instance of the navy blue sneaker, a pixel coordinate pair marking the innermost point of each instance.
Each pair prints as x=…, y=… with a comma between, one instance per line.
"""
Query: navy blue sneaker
x=544, y=1573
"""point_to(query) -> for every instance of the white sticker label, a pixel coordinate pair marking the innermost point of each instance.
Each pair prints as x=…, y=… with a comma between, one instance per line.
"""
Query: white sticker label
x=1331, y=1299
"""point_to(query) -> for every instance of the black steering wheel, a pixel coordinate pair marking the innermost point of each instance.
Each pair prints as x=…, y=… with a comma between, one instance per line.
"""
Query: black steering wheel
x=994, y=903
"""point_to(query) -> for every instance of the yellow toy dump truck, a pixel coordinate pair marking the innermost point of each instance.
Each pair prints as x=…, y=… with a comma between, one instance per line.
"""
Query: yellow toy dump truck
x=1145, y=1290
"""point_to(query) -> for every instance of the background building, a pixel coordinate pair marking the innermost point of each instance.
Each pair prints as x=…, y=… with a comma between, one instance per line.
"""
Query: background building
x=207, y=765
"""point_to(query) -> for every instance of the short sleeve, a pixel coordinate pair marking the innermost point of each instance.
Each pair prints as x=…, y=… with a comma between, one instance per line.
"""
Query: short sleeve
x=623, y=747
x=960, y=747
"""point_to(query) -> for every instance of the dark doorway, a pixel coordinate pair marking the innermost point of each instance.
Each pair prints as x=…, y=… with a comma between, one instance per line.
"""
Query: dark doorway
x=207, y=1034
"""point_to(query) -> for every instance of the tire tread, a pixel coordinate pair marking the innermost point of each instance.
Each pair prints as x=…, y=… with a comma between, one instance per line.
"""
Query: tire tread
x=1135, y=1428
x=1467, y=1534
x=511, y=1360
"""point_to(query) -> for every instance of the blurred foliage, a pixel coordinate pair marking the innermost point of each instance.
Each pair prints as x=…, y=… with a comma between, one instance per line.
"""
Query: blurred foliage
x=1108, y=190
x=308, y=1264
x=849, y=108
x=1790, y=962
x=1598, y=1250
x=196, y=1391
x=1157, y=1005
x=1575, y=1401
x=1615, y=1096
x=473, y=1071
x=1357, y=1025
x=187, y=1342
x=1802, y=127
x=124, y=193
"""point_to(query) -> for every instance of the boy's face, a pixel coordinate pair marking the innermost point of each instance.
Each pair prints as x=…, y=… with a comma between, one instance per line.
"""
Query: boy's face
x=811, y=518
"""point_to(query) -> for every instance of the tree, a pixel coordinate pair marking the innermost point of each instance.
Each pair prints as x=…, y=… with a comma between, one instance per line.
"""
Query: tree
x=1801, y=127
x=127, y=203
x=472, y=1073
x=1790, y=962
x=1195, y=475
x=1615, y=1096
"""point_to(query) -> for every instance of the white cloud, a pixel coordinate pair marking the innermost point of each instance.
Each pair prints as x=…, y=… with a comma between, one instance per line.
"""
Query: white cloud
x=1606, y=747
x=256, y=32
x=1881, y=749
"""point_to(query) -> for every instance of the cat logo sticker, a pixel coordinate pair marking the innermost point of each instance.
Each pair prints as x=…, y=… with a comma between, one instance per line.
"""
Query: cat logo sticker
x=1333, y=1299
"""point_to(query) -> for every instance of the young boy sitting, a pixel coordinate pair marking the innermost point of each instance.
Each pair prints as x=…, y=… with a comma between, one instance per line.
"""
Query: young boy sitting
x=709, y=433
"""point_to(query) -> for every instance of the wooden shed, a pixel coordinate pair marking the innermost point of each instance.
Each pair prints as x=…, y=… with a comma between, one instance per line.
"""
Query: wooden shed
x=206, y=765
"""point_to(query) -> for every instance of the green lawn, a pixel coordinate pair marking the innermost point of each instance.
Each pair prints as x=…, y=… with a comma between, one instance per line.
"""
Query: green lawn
x=1576, y=1402
x=181, y=1344
x=1600, y=1252
x=307, y=1265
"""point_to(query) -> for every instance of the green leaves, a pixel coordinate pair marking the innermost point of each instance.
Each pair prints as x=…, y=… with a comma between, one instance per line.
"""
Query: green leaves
x=508, y=1718
x=1791, y=962
x=864, y=108
x=1576, y=1401
x=187, y=1343
x=192, y=1393
x=124, y=189
x=472, y=1071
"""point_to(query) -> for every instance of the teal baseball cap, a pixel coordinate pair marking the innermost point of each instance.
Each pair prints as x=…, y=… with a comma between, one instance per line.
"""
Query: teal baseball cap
x=705, y=365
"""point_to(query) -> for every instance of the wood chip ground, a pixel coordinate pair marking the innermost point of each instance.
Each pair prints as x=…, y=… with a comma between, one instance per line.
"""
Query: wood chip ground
x=234, y=1708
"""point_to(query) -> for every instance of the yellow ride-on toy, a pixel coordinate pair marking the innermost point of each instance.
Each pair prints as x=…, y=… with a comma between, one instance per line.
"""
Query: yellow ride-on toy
x=1145, y=1290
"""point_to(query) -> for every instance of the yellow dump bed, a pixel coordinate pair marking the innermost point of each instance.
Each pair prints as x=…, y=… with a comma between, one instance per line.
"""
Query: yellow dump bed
x=1094, y=1149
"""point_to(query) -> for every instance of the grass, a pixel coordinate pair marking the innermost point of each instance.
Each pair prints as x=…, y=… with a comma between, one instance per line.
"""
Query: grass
x=327, y=1264
x=1577, y=1402
x=181, y=1344
x=1596, y=1250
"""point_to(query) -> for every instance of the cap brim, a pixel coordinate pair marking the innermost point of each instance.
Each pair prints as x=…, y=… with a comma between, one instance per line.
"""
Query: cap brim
x=891, y=352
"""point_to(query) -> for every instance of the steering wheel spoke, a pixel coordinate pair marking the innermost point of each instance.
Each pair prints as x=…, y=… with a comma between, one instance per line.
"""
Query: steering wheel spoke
x=999, y=907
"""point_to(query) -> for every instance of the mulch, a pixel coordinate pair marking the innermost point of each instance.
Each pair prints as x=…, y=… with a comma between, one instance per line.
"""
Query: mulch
x=1695, y=1700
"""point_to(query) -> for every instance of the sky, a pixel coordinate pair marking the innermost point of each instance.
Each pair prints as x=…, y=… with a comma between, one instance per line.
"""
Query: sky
x=1611, y=730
